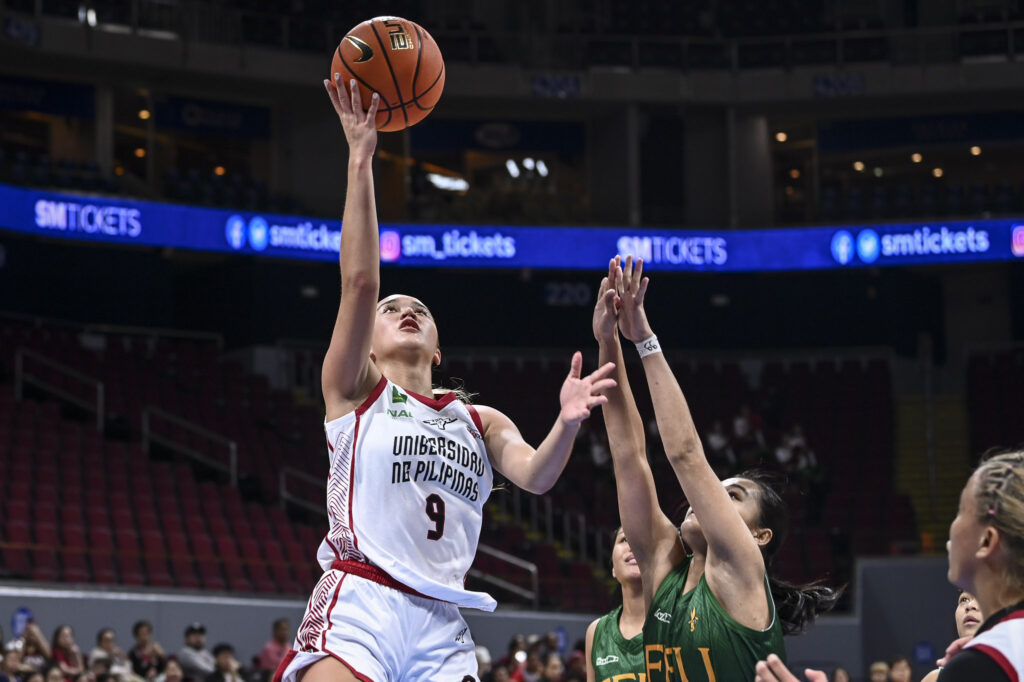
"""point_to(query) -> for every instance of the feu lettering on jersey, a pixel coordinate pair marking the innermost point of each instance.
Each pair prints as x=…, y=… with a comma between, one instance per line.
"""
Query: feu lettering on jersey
x=688, y=636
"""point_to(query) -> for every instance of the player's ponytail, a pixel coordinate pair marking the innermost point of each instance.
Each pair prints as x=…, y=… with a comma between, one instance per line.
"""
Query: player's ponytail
x=796, y=605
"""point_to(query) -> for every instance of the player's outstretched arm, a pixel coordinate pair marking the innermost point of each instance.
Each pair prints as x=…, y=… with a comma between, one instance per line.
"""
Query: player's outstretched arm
x=536, y=470
x=652, y=537
x=348, y=375
x=730, y=544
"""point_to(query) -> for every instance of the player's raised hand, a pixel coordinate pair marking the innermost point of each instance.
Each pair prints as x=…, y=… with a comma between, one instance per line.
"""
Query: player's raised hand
x=579, y=394
x=774, y=670
x=952, y=650
x=631, y=286
x=607, y=308
x=360, y=126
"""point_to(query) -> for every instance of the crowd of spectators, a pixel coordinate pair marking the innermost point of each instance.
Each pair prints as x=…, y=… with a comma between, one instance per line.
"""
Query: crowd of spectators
x=534, y=658
x=30, y=657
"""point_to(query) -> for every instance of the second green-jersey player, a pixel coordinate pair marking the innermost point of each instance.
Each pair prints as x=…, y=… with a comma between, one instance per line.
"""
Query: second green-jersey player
x=689, y=636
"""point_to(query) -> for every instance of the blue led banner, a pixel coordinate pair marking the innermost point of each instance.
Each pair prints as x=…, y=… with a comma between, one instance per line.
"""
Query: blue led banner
x=122, y=221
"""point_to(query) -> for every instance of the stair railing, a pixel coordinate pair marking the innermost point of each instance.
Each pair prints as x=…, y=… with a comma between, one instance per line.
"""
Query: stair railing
x=24, y=375
x=151, y=433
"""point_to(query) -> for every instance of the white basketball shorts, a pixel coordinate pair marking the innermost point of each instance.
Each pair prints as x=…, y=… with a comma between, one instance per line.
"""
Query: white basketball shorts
x=380, y=633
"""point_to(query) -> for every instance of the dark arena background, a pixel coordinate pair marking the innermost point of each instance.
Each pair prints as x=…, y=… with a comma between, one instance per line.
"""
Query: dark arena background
x=828, y=194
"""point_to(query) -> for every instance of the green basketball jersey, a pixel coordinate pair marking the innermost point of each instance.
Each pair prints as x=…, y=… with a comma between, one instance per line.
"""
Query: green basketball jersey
x=688, y=637
x=615, y=658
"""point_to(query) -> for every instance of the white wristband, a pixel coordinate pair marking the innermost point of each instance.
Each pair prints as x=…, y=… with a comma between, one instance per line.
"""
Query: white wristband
x=648, y=347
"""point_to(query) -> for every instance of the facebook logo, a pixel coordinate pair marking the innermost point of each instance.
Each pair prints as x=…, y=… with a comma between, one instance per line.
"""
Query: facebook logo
x=842, y=247
x=234, y=231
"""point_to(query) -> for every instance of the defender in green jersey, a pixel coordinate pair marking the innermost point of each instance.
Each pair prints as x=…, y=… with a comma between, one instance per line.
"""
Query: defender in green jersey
x=711, y=613
x=614, y=644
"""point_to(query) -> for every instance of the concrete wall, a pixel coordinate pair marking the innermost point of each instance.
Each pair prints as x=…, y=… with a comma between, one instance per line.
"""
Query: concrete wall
x=901, y=604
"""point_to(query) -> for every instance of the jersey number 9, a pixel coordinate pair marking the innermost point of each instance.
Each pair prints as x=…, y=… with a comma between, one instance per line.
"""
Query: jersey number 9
x=435, y=512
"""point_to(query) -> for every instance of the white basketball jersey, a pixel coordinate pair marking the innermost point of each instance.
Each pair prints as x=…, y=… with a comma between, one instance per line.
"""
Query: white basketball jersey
x=1004, y=643
x=408, y=480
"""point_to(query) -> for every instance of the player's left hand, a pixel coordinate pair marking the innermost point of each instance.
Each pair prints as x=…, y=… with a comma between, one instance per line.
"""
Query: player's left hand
x=606, y=310
x=952, y=650
x=774, y=670
x=579, y=395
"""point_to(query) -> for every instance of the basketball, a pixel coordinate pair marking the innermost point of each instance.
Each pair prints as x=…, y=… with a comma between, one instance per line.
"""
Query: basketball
x=397, y=59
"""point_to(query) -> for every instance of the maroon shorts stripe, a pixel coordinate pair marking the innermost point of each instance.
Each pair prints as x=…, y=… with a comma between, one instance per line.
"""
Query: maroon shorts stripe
x=376, y=575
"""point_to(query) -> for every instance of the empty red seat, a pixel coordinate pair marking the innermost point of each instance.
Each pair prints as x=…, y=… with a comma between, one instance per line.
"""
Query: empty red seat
x=74, y=568
x=210, y=575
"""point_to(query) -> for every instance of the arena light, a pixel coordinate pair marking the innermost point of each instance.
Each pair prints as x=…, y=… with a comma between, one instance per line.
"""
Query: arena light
x=447, y=182
x=937, y=172
x=858, y=166
x=916, y=158
x=877, y=172
x=219, y=171
x=140, y=153
x=86, y=15
x=781, y=136
x=794, y=173
x=144, y=114
x=542, y=168
x=513, y=168
x=975, y=150
x=528, y=164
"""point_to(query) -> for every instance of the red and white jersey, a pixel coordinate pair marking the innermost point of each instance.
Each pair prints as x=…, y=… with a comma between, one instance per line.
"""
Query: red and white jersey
x=1004, y=643
x=408, y=480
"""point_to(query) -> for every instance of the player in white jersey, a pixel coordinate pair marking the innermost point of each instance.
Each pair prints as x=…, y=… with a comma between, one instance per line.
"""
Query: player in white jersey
x=409, y=471
x=986, y=558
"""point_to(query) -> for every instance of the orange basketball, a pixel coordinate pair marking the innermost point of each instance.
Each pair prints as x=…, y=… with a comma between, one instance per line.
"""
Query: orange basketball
x=398, y=60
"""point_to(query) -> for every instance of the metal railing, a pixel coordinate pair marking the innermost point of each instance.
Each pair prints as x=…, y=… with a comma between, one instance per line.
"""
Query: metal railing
x=155, y=332
x=539, y=515
x=287, y=496
x=532, y=595
x=23, y=375
x=152, y=415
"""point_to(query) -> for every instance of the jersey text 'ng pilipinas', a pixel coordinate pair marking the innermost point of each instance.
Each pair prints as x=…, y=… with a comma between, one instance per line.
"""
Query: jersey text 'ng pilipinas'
x=408, y=479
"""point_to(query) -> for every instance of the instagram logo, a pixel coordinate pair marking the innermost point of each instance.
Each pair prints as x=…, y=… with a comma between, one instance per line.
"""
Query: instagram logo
x=390, y=246
x=1017, y=241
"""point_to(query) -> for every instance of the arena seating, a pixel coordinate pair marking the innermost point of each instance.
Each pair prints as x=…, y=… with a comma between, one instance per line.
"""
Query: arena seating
x=995, y=399
x=175, y=524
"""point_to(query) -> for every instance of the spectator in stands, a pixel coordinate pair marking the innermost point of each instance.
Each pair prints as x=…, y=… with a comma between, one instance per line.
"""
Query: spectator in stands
x=54, y=674
x=34, y=676
x=226, y=666
x=516, y=655
x=483, y=660
x=36, y=650
x=879, y=672
x=10, y=667
x=66, y=653
x=532, y=669
x=106, y=647
x=553, y=668
x=576, y=668
x=147, y=656
x=99, y=666
x=196, y=660
x=280, y=643
x=172, y=672
x=899, y=669
x=720, y=454
x=499, y=673
x=840, y=675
